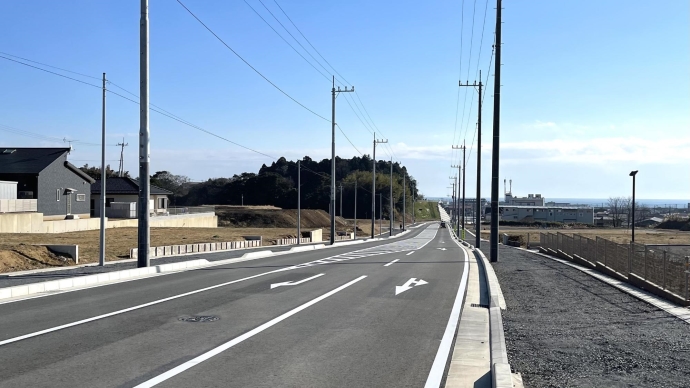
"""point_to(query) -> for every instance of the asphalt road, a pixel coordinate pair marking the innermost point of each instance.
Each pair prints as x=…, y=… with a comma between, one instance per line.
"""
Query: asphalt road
x=325, y=318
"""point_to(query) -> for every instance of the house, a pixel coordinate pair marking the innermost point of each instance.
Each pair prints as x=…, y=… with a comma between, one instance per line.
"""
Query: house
x=564, y=214
x=61, y=189
x=126, y=190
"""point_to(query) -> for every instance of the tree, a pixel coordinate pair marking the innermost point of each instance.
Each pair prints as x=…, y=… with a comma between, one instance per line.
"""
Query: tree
x=615, y=207
x=168, y=181
x=95, y=172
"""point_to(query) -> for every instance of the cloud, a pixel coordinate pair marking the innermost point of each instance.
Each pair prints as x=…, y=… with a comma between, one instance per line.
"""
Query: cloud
x=600, y=150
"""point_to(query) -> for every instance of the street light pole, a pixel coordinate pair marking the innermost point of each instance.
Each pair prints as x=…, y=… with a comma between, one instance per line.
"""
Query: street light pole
x=355, y=231
x=373, y=186
x=299, y=201
x=390, y=216
x=633, y=174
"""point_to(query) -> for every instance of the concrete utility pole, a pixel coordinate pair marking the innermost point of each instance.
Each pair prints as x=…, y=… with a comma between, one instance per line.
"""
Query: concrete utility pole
x=144, y=237
x=380, y=213
x=404, y=200
x=355, y=231
x=479, y=161
x=332, y=207
x=453, y=205
x=101, y=247
x=496, y=140
x=121, y=169
x=373, y=186
x=457, y=219
x=390, y=216
x=341, y=200
x=299, y=202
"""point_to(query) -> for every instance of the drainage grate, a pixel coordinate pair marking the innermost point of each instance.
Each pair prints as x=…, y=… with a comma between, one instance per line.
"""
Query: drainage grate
x=484, y=306
x=200, y=318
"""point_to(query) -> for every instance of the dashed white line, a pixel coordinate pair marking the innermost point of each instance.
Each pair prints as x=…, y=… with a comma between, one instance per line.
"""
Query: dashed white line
x=386, y=265
x=213, y=352
x=411, y=252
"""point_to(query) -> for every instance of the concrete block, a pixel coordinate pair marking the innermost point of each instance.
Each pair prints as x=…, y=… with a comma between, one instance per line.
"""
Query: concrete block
x=167, y=251
x=102, y=278
x=501, y=376
x=579, y=260
x=51, y=286
x=36, y=288
x=610, y=272
x=91, y=279
x=65, y=283
x=78, y=281
x=5, y=293
x=257, y=255
x=72, y=250
x=20, y=291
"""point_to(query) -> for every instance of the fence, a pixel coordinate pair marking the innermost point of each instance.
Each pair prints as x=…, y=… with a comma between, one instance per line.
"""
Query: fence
x=175, y=210
x=666, y=266
x=292, y=241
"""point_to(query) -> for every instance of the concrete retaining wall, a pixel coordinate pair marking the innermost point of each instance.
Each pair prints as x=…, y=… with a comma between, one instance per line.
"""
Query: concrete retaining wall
x=36, y=223
x=72, y=250
x=174, y=250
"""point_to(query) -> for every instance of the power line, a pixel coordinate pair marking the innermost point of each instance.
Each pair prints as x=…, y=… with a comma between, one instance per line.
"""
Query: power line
x=469, y=65
x=38, y=136
x=484, y=95
x=51, y=72
x=285, y=40
x=54, y=67
x=312, y=46
x=372, y=122
x=348, y=140
x=248, y=64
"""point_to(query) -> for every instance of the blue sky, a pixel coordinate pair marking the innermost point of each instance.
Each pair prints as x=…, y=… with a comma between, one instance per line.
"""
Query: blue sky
x=590, y=89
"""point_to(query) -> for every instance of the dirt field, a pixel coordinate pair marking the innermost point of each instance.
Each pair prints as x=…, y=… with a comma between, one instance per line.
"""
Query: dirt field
x=621, y=236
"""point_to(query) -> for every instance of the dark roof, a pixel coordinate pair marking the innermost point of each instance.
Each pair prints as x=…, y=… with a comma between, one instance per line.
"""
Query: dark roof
x=124, y=186
x=79, y=172
x=28, y=160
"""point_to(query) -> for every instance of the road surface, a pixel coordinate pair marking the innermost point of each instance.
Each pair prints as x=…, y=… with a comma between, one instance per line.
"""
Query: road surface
x=371, y=315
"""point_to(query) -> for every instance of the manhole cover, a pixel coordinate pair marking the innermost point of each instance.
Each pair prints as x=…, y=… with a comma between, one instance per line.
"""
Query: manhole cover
x=484, y=306
x=200, y=318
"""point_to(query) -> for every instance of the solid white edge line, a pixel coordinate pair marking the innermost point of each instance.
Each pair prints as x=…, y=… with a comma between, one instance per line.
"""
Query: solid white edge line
x=441, y=360
x=386, y=265
x=213, y=352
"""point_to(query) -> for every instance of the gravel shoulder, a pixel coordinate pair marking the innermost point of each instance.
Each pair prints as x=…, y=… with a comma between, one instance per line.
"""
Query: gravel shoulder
x=564, y=328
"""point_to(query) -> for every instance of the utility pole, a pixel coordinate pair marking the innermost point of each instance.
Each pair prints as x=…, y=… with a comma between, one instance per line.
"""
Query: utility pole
x=404, y=200
x=479, y=155
x=299, y=202
x=459, y=167
x=380, y=213
x=453, y=210
x=496, y=140
x=341, y=200
x=242, y=200
x=121, y=169
x=373, y=186
x=144, y=237
x=390, y=216
x=355, y=231
x=101, y=247
x=332, y=207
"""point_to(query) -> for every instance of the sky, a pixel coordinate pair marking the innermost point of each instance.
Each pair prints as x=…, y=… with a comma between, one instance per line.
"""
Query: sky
x=590, y=90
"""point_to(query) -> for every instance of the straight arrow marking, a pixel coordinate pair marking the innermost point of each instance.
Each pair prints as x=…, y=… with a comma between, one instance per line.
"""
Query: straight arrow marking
x=274, y=285
x=409, y=284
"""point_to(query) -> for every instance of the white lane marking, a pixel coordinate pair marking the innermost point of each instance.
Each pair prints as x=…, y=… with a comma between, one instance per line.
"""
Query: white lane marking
x=441, y=359
x=213, y=352
x=413, y=282
x=327, y=260
x=386, y=265
x=442, y=249
x=155, y=302
x=274, y=285
x=411, y=252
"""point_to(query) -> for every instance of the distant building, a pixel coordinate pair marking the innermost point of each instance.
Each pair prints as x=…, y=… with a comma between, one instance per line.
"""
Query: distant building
x=44, y=174
x=126, y=190
x=582, y=215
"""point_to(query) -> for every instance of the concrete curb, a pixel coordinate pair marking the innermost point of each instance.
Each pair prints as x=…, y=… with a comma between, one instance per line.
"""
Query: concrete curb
x=501, y=375
x=88, y=280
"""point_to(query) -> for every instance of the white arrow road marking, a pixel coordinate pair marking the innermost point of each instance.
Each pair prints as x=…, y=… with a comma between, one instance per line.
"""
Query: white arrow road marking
x=409, y=284
x=443, y=249
x=386, y=265
x=274, y=285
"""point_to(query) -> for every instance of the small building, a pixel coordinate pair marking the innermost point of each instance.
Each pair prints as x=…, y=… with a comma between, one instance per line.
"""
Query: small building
x=44, y=174
x=529, y=200
x=582, y=215
x=126, y=190
x=649, y=222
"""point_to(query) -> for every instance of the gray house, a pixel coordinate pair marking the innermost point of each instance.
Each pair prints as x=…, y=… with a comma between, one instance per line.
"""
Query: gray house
x=44, y=174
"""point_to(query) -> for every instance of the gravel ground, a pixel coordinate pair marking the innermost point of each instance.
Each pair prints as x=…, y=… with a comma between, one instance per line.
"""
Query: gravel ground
x=564, y=328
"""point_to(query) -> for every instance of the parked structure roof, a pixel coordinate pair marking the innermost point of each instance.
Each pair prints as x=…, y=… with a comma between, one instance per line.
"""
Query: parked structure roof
x=124, y=185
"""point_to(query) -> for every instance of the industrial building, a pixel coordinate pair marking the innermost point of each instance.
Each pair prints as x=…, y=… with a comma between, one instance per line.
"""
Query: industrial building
x=564, y=214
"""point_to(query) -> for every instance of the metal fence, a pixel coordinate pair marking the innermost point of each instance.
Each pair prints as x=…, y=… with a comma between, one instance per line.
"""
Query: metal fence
x=176, y=210
x=667, y=266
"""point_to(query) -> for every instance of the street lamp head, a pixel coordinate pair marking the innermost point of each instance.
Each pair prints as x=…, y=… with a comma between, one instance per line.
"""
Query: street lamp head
x=633, y=173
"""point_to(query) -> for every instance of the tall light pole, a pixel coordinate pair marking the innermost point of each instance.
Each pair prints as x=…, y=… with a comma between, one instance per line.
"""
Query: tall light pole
x=404, y=201
x=144, y=236
x=496, y=140
x=633, y=174
x=332, y=206
x=355, y=236
x=373, y=185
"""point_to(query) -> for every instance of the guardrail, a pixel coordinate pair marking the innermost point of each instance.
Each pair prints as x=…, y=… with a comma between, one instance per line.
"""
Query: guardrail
x=664, y=266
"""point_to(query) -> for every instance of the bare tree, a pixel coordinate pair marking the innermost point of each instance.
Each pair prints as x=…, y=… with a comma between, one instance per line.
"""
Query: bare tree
x=615, y=207
x=626, y=209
